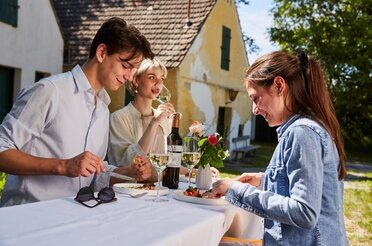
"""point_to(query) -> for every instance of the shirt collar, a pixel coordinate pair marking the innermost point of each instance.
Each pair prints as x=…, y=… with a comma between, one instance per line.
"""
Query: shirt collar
x=284, y=126
x=83, y=85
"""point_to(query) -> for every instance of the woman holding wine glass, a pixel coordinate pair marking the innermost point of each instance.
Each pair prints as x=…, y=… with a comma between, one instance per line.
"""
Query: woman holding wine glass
x=134, y=127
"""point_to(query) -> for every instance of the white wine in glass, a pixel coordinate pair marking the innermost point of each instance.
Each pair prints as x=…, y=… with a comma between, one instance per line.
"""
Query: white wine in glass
x=190, y=155
x=159, y=161
x=164, y=95
x=159, y=158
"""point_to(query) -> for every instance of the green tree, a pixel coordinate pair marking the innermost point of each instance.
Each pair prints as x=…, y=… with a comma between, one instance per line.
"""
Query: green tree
x=339, y=34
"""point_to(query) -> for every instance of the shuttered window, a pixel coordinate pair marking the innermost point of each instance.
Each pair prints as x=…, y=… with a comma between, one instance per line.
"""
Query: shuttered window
x=225, y=48
x=9, y=11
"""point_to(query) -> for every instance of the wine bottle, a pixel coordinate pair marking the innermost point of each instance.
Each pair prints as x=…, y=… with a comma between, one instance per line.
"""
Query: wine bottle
x=171, y=174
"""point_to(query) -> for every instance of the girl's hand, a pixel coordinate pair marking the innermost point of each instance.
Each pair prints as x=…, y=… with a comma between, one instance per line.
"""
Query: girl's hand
x=250, y=178
x=220, y=187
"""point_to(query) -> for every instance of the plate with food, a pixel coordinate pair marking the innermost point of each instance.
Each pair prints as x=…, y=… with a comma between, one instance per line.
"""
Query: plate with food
x=136, y=188
x=194, y=195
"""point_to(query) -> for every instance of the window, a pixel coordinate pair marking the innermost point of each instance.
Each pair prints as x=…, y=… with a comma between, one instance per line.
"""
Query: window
x=240, y=130
x=6, y=90
x=225, y=48
x=40, y=75
x=9, y=12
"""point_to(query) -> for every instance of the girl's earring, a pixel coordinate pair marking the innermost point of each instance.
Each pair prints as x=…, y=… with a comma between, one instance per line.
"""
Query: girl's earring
x=136, y=90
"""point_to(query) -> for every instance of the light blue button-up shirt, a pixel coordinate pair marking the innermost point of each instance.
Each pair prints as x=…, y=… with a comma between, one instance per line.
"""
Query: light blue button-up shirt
x=55, y=118
x=302, y=197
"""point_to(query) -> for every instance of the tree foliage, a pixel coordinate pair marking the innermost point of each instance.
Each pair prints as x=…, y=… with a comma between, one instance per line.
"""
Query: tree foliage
x=339, y=34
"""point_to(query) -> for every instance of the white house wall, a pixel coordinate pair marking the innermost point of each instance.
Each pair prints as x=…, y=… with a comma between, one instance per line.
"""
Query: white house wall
x=36, y=44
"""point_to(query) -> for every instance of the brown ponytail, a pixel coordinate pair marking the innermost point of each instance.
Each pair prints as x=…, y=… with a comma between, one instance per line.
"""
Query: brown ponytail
x=307, y=90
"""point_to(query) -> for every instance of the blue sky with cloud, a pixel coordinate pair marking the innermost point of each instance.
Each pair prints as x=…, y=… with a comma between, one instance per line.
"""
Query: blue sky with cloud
x=255, y=18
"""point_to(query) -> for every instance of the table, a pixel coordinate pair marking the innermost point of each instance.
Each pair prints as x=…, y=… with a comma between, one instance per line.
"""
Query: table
x=127, y=221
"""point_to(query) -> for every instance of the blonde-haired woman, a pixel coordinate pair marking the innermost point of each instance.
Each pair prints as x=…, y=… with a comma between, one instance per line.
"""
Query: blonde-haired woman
x=134, y=127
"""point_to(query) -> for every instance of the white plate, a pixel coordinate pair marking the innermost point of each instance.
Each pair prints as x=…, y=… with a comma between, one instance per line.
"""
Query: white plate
x=178, y=195
x=130, y=188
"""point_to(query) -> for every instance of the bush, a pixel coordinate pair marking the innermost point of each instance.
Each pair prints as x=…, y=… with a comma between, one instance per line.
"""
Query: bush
x=2, y=181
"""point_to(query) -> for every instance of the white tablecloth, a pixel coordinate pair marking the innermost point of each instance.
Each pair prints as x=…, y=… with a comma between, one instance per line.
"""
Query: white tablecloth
x=127, y=221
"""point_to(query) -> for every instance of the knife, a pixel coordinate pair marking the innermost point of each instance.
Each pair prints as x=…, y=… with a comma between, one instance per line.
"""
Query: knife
x=121, y=176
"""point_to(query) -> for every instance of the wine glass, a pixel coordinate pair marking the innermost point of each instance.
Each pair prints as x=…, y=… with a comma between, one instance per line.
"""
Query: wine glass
x=190, y=154
x=165, y=96
x=159, y=158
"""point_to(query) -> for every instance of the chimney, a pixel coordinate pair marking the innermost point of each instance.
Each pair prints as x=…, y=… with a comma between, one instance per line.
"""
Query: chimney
x=188, y=20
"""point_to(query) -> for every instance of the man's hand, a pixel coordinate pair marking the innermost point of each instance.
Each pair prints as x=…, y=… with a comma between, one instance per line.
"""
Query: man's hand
x=84, y=164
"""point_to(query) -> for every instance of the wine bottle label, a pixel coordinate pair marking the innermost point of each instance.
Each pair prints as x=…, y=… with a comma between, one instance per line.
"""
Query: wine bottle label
x=176, y=151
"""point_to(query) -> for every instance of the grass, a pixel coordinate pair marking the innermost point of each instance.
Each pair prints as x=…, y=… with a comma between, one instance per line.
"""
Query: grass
x=2, y=182
x=358, y=208
x=257, y=161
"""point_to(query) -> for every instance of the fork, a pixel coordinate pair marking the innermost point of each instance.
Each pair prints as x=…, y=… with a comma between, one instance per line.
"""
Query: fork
x=138, y=195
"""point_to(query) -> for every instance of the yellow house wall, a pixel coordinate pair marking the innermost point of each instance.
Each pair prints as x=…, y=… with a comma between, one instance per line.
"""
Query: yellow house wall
x=117, y=99
x=203, y=85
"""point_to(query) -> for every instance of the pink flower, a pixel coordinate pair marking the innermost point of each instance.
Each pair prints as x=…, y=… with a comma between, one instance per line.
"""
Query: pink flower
x=196, y=128
x=212, y=140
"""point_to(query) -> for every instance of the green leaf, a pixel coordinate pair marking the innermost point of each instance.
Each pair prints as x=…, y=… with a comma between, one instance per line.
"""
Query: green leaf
x=336, y=33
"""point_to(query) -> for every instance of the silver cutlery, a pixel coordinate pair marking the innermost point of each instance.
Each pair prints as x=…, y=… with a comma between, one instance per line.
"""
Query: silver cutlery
x=138, y=195
x=123, y=177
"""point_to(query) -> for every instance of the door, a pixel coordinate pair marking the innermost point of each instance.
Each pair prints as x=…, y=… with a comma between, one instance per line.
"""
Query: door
x=264, y=132
x=224, y=122
x=6, y=90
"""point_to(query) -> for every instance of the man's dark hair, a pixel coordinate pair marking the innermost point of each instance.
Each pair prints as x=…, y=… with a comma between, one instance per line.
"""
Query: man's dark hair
x=119, y=36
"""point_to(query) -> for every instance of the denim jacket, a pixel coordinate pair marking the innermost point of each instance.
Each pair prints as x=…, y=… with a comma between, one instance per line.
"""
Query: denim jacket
x=302, y=197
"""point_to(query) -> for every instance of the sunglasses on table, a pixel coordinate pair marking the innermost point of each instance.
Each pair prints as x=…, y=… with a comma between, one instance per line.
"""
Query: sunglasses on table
x=86, y=194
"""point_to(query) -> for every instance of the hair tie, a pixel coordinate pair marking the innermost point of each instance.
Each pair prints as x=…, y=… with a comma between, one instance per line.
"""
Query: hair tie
x=304, y=62
x=302, y=57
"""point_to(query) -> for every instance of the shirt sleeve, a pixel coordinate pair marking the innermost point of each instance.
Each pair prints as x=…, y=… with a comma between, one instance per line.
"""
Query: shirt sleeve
x=33, y=110
x=123, y=145
x=305, y=174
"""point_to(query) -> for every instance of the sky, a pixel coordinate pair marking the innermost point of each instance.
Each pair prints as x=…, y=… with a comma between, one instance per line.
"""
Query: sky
x=255, y=18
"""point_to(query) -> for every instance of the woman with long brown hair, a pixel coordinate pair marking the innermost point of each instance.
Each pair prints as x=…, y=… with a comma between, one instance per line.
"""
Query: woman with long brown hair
x=302, y=187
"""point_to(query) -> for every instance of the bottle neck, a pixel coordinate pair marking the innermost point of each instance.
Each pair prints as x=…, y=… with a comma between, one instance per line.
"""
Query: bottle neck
x=175, y=129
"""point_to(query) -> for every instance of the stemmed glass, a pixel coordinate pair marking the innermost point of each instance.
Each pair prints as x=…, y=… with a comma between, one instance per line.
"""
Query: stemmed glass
x=159, y=158
x=190, y=154
x=165, y=96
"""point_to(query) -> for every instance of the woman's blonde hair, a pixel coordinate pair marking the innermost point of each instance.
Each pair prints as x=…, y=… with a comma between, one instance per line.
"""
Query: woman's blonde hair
x=147, y=64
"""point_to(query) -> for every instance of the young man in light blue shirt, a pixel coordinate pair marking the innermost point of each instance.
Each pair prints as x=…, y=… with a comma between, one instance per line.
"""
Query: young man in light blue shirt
x=53, y=141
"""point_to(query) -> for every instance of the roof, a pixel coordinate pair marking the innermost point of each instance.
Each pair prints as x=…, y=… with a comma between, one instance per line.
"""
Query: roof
x=161, y=21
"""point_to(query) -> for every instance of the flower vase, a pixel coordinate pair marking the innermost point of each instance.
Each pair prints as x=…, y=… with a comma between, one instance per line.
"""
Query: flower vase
x=204, y=178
